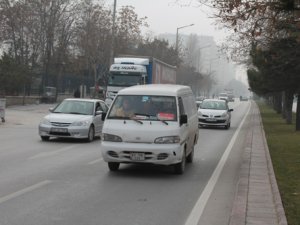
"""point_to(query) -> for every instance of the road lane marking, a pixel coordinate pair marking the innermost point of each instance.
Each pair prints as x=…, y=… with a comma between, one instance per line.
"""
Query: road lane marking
x=47, y=154
x=95, y=161
x=197, y=211
x=24, y=191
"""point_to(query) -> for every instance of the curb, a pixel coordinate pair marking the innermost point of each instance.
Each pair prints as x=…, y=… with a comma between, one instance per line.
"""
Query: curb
x=239, y=209
x=276, y=194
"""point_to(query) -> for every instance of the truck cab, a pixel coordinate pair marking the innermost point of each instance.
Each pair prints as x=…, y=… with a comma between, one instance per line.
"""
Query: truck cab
x=125, y=72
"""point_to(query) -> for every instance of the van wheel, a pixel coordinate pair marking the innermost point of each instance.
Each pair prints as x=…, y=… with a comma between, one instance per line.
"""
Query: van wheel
x=190, y=157
x=180, y=167
x=113, y=166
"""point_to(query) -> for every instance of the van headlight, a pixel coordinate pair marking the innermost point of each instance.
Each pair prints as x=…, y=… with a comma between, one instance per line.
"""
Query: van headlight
x=167, y=140
x=111, y=137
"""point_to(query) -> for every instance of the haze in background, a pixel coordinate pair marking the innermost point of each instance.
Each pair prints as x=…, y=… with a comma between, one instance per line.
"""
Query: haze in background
x=165, y=16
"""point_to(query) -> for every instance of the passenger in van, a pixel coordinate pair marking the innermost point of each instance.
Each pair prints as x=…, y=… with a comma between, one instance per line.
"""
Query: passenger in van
x=125, y=110
x=169, y=108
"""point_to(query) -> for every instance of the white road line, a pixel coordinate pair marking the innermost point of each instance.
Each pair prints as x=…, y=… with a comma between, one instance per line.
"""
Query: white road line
x=46, y=154
x=197, y=211
x=95, y=161
x=24, y=191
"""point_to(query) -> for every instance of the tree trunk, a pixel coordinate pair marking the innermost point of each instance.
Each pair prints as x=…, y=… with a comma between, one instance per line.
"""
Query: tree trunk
x=298, y=114
x=277, y=105
x=289, y=97
x=283, y=105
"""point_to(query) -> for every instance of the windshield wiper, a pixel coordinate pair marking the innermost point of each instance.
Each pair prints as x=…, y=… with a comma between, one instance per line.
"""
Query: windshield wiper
x=77, y=113
x=138, y=121
x=163, y=121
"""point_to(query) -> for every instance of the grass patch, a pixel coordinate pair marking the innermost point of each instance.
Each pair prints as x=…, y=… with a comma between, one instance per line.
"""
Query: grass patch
x=284, y=146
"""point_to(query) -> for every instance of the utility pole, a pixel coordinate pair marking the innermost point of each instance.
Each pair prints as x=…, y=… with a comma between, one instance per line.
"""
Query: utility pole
x=113, y=30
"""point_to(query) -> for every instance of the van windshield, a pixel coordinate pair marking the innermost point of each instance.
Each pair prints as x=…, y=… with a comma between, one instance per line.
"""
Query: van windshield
x=144, y=107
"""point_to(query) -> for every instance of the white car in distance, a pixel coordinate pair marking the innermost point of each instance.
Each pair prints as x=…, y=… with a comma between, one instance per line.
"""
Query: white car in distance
x=214, y=112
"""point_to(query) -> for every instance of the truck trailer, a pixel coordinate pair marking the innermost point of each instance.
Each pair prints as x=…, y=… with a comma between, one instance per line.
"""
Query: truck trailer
x=137, y=70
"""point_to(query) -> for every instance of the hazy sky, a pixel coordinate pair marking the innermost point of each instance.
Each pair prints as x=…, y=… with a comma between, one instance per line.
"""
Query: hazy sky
x=164, y=16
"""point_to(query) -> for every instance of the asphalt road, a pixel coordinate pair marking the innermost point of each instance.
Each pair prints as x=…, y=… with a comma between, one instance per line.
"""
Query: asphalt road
x=67, y=183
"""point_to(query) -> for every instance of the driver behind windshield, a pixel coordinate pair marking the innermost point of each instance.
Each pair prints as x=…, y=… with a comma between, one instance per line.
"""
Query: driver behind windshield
x=125, y=110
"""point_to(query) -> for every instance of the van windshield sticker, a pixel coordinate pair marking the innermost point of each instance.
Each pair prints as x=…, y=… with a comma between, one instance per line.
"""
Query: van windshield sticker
x=165, y=116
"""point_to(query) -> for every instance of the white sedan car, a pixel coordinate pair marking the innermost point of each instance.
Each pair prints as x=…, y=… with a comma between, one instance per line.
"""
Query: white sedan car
x=214, y=112
x=74, y=118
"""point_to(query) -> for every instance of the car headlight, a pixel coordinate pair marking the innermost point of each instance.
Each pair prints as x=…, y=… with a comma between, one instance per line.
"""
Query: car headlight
x=224, y=114
x=45, y=122
x=167, y=140
x=81, y=123
x=111, y=137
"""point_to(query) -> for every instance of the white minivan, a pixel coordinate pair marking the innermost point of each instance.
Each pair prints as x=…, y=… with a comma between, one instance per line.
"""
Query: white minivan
x=154, y=124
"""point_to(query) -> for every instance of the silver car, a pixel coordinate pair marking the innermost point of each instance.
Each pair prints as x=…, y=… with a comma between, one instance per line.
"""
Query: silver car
x=214, y=112
x=74, y=118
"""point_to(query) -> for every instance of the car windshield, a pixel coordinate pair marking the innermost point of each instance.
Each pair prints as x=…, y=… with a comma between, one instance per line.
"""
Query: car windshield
x=75, y=107
x=217, y=105
x=144, y=107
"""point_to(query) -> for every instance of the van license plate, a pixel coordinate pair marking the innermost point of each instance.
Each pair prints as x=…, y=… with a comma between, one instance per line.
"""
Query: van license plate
x=137, y=156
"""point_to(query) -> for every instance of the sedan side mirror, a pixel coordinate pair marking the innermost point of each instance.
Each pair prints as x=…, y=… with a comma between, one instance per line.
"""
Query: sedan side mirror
x=103, y=116
x=230, y=110
x=99, y=112
x=183, y=119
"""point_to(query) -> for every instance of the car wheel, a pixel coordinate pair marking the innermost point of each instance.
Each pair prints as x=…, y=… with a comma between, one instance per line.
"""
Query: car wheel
x=113, y=166
x=180, y=167
x=45, y=138
x=91, y=134
x=190, y=157
x=227, y=126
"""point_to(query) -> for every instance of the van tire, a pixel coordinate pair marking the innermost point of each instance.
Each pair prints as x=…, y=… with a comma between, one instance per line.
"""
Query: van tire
x=190, y=157
x=180, y=167
x=113, y=166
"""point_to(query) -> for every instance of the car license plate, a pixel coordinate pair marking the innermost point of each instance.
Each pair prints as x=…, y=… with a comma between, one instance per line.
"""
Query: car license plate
x=59, y=130
x=211, y=119
x=137, y=156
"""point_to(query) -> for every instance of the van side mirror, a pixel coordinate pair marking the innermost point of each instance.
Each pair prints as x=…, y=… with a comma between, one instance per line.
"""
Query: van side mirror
x=103, y=115
x=183, y=119
x=51, y=109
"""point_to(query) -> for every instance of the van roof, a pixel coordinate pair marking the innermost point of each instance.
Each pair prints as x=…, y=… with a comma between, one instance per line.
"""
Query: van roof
x=156, y=89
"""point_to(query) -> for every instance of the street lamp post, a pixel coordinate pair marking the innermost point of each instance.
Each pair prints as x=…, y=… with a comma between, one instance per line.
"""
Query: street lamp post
x=112, y=49
x=178, y=28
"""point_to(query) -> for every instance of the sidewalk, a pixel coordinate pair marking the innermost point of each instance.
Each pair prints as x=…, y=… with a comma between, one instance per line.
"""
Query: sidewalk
x=257, y=200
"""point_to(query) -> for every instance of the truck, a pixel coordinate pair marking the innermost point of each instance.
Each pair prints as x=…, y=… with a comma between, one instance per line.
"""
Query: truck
x=137, y=70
